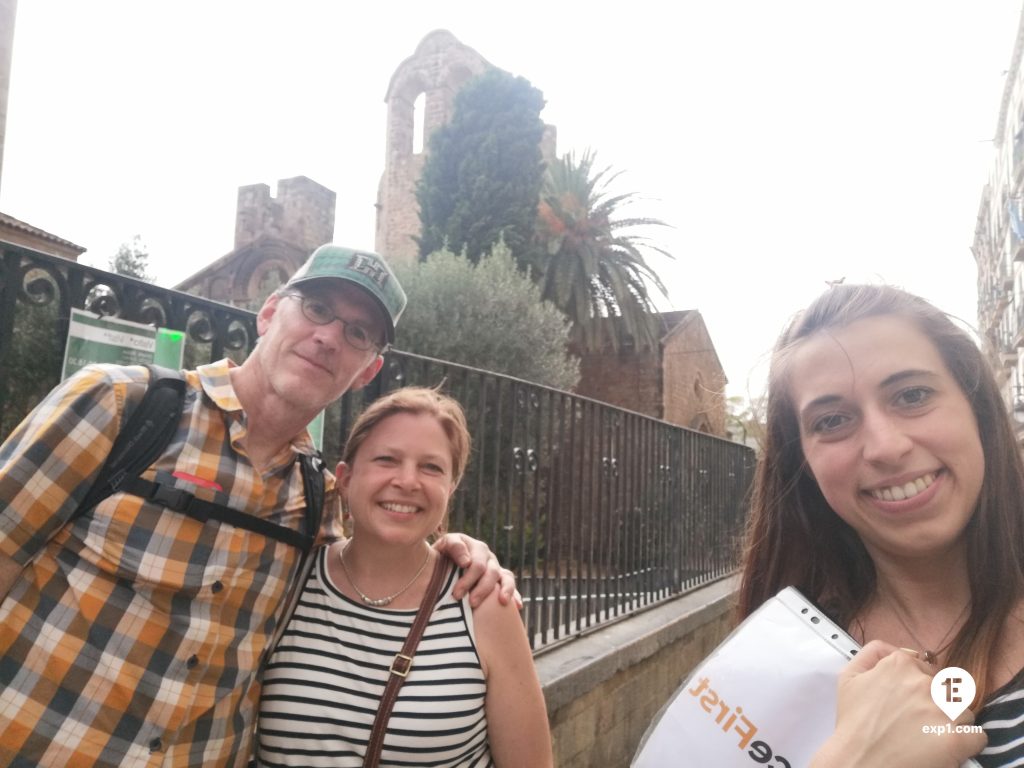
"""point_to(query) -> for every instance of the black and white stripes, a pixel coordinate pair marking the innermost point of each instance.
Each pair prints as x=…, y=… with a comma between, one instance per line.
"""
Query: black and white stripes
x=1003, y=720
x=324, y=681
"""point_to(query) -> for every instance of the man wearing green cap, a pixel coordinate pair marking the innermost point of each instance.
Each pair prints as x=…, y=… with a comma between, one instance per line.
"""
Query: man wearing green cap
x=133, y=635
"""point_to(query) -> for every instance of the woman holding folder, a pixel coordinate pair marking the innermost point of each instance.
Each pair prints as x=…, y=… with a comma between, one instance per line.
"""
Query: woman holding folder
x=891, y=493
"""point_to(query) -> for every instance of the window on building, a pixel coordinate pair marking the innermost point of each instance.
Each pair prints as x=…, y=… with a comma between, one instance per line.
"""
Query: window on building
x=269, y=281
x=418, y=108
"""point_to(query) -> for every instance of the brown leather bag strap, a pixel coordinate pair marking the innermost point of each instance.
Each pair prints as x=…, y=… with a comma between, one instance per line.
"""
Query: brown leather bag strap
x=403, y=663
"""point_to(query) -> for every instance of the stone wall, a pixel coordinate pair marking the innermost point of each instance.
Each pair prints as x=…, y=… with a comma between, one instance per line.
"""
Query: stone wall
x=274, y=235
x=247, y=275
x=693, y=380
x=603, y=690
x=301, y=214
x=627, y=379
x=682, y=382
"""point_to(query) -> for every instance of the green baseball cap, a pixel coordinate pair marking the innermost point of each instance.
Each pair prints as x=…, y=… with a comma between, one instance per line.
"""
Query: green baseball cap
x=364, y=268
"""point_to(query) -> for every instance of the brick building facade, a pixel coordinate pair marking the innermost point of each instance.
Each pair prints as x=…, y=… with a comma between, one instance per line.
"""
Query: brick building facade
x=999, y=243
x=682, y=381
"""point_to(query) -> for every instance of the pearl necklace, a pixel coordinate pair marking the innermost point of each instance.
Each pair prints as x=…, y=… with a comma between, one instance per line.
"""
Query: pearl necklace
x=378, y=602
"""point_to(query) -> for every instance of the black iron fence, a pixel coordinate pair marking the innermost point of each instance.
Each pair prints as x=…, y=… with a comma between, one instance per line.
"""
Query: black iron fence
x=37, y=293
x=601, y=512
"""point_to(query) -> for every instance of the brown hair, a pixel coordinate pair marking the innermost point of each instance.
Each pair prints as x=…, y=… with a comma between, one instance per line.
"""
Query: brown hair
x=415, y=400
x=794, y=537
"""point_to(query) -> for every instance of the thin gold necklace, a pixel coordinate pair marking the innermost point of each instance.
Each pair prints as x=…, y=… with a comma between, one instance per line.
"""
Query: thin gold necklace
x=378, y=602
x=930, y=657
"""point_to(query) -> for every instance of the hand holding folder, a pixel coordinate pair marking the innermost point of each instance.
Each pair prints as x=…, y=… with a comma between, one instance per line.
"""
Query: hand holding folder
x=766, y=696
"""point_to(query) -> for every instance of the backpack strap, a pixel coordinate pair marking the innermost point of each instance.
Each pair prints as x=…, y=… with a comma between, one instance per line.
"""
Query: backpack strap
x=313, y=484
x=204, y=511
x=312, y=468
x=142, y=439
x=199, y=509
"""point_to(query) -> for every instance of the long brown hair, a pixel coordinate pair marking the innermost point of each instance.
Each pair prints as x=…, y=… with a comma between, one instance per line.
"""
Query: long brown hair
x=794, y=537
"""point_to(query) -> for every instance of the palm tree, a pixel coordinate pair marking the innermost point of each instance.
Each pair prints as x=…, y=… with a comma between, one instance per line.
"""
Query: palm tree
x=586, y=262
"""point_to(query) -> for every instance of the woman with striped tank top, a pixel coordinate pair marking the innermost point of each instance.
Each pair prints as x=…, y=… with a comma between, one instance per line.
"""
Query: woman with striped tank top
x=472, y=697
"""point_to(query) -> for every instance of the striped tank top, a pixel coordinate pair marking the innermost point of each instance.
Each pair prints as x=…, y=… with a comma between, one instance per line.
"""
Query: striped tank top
x=1003, y=720
x=324, y=681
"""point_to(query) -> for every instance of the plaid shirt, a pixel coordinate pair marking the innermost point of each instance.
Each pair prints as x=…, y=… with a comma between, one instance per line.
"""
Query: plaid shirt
x=134, y=634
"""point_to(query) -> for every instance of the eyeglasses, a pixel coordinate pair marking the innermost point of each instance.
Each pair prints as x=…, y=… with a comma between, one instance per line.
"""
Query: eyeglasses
x=320, y=313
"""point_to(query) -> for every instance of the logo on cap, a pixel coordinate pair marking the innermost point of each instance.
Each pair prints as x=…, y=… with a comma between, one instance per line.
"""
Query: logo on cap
x=370, y=267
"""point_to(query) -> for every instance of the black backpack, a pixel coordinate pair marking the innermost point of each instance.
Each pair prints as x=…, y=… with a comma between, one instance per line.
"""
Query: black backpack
x=144, y=437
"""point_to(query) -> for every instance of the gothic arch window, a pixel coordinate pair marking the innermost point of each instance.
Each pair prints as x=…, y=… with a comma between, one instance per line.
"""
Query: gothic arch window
x=266, y=279
x=407, y=109
x=271, y=279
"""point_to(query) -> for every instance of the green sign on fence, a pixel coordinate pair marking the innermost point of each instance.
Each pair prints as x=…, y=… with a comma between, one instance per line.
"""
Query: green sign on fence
x=94, y=339
x=170, y=348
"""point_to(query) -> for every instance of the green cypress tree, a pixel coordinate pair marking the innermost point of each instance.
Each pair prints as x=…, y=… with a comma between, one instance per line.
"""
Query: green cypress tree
x=484, y=171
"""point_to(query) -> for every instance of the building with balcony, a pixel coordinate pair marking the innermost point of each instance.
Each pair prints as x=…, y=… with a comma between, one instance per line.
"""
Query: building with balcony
x=999, y=243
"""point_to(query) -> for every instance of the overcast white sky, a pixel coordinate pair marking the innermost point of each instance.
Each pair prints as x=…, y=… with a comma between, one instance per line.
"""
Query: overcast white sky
x=788, y=142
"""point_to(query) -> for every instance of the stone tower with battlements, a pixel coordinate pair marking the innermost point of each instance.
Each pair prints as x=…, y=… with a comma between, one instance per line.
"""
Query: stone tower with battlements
x=273, y=237
x=302, y=214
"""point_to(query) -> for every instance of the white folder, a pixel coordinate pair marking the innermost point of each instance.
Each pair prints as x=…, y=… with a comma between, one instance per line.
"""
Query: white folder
x=765, y=696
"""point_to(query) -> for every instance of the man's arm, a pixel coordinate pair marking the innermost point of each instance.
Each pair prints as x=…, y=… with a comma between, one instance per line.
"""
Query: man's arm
x=49, y=461
x=483, y=572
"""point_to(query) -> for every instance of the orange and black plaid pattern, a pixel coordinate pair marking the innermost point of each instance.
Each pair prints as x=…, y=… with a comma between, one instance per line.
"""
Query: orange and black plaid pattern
x=134, y=634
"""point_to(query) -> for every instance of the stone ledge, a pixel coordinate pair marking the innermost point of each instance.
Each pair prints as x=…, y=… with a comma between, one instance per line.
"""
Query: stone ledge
x=579, y=666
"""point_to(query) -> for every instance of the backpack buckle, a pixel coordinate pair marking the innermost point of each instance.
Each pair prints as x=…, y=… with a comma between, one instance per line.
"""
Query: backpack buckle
x=170, y=497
